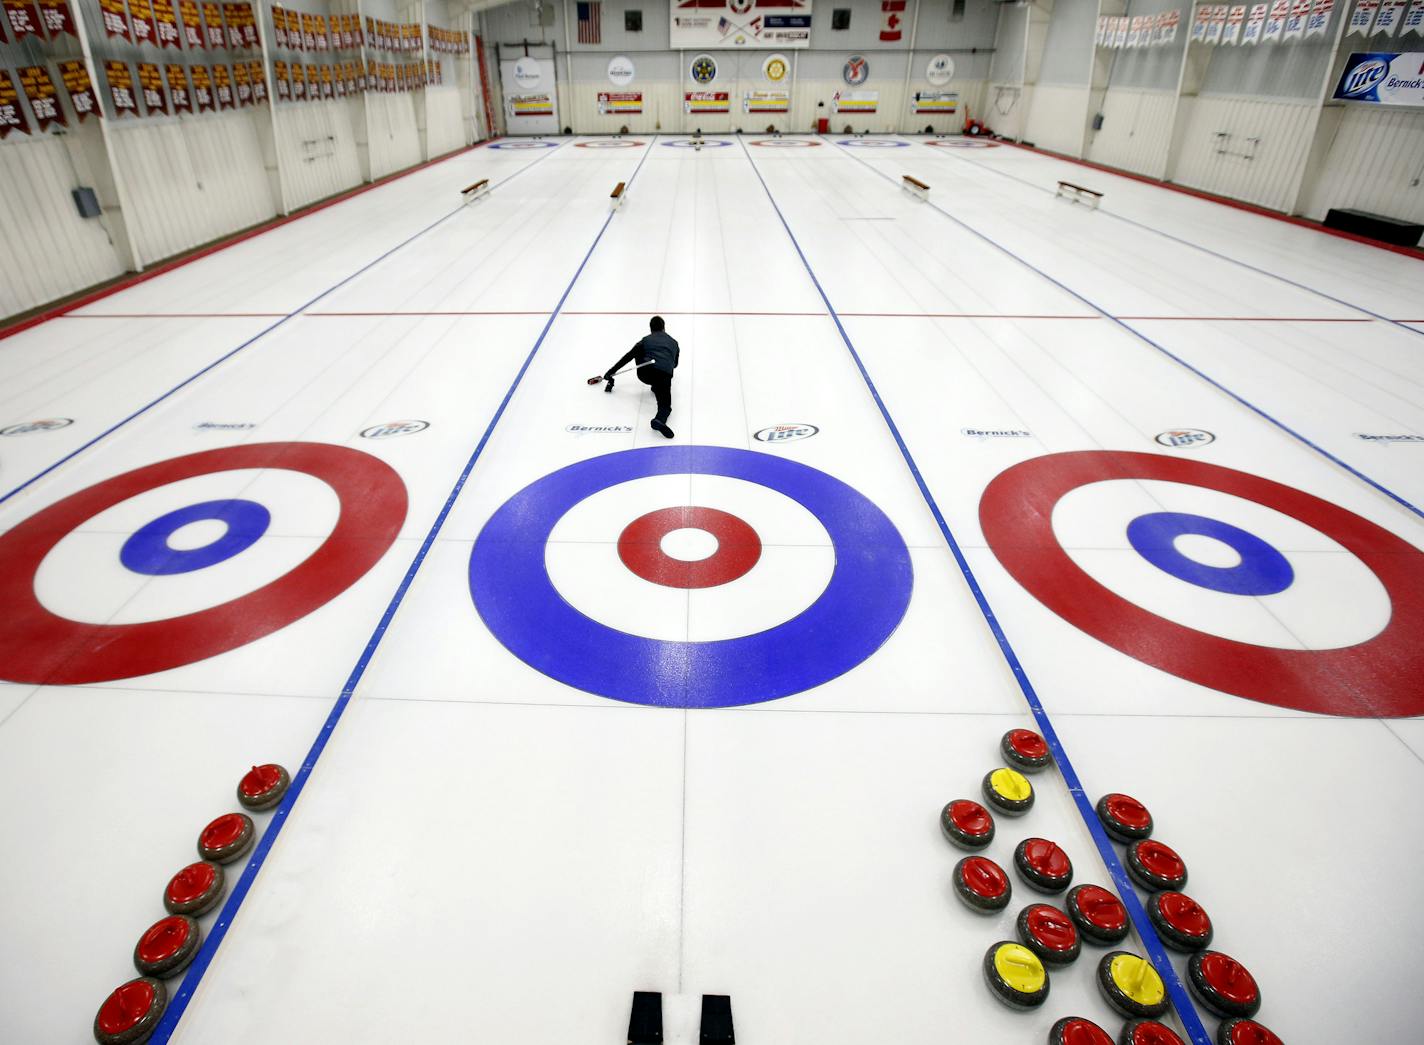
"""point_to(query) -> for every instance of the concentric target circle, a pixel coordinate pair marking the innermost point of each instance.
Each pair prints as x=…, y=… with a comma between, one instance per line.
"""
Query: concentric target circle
x=640, y=547
x=688, y=143
x=864, y=601
x=611, y=143
x=520, y=144
x=1372, y=678
x=785, y=143
x=872, y=143
x=962, y=143
x=37, y=646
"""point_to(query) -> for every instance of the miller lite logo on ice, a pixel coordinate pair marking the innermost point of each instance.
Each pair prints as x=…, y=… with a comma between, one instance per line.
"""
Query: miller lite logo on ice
x=785, y=433
x=1184, y=438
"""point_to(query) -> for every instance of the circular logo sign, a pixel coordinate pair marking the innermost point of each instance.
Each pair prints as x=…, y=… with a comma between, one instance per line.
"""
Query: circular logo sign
x=703, y=69
x=1185, y=438
x=785, y=433
x=620, y=70
x=775, y=68
x=856, y=71
x=49, y=424
x=527, y=73
x=940, y=70
x=740, y=7
x=392, y=428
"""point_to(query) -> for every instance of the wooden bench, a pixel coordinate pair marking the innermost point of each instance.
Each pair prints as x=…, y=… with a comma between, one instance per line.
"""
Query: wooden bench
x=915, y=186
x=475, y=191
x=1078, y=194
x=617, y=196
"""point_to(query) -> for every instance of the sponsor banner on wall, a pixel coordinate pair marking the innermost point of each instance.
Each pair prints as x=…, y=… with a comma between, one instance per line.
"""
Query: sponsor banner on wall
x=943, y=103
x=857, y=101
x=56, y=18
x=620, y=102
x=43, y=96
x=178, y=89
x=75, y=77
x=1363, y=17
x=121, y=88
x=531, y=104
x=766, y=101
x=1255, y=24
x=1383, y=79
x=714, y=24
x=706, y=101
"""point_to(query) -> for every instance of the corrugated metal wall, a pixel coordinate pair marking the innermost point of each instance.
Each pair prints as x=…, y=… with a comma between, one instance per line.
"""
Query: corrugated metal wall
x=1374, y=163
x=1057, y=117
x=1137, y=130
x=394, y=133
x=1282, y=128
x=318, y=148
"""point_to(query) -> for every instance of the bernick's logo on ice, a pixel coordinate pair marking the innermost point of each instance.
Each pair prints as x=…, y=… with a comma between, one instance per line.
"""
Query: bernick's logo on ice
x=599, y=429
x=392, y=428
x=1402, y=437
x=1184, y=438
x=996, y=433
x=49, y=424
x=785, y=433
x=224, y=426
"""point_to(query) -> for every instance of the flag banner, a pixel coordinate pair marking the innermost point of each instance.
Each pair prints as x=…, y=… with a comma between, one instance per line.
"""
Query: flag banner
x=935, y=103
x=258, y=77
x=590, y=21
x=1255, y=24
x=222, y=87
x=1167, y=23
x=192, y=23
x=1216, y=22
x=116, y=19
x=165, y=20
x=1363, y=17
x=1276, y=21
x=296, y=27
x=279, y=77
x=121, y=88
x=1295, y=22
x=178, y=89
x=145, y=31
x=1319, y=18
x=1120, y=32
x=892, y=19
x=312, y=76
x=1134, y=31
x=1199, y=23
x=24, y=19
x=1414, y=19
x=12, y=117
x=1391, y=13
x=856, y=101
x=56, y=18
x=279, y=26
x=704, y=101
x=202, y=88
x=74, y=74
x=1102, y=29
x=43, y=96
x=704, y=25
x=320, y=36
x=1383, y=79
x=621, y=103
x=1234, y=19
x=233, y=18
x=327, y=89
x=150, y=82
x=242, y=85
x=212, y=22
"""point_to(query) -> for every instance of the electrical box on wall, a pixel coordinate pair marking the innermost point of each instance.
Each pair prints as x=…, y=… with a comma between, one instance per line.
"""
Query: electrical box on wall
x=86, y=202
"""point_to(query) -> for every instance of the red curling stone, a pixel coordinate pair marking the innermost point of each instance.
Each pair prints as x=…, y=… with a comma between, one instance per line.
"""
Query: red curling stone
x=1148, y=1032
x=263, y=787
x=1124, y=817
x=1180, y=921
x=129, y=1014
x=1155, y=866
x=1098, y=914
x=195, y=890
x=1075, y=1030
x=1223, y=984
x=1043, y=865
x=982, y=884
x=1025, y=750
x=1237, y=1031
x=967, y=824
x=227, y=838
x=167, y=946
x=1048, y=933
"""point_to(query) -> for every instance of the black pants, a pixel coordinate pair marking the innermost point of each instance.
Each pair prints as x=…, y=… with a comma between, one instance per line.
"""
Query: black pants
x=661, y=384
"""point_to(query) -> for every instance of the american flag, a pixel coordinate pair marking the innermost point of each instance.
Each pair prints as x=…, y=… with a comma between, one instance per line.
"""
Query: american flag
x=590, y=27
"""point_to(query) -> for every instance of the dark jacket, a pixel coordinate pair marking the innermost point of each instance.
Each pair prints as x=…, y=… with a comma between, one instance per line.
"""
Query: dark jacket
x=658, y=347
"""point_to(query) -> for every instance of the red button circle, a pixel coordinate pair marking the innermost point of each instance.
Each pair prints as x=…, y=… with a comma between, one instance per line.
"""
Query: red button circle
x=1046, y=857
x=193, y=881
x=260, y=779
x=1078, y=1031
x=1101, y=908
x=640, y=548
x=1249, y=1032
x=970, y=817
x=1050, y=927
x=1127, y=810
x=1159, y=859
x=1028, y=743
x=223, y=831
x=983, y=877
x=1150, y=1032
x=163, y=940
x=1183, y=913
x=126, y=1007
x=1229, y=978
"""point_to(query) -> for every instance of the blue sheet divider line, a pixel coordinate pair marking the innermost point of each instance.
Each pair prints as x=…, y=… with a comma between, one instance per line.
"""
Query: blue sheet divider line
x=1197, y=246
x=178, y=1004
x=1181, y=1001
x=1166, y=352
x=257, y=337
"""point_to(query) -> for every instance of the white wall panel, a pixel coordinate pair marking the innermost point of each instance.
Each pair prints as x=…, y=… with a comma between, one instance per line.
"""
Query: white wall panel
x=1057, y=114
x=190, y=181
x=1374, y=163
x=444, y=121
x=1136, y=131
x=395, y=134
x=317, y=144
x=49, y=250
x=1284, y=128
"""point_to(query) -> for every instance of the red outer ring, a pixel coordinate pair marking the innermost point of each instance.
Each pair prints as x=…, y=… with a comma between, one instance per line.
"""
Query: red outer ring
x=38, y=647
x=1100, y=902
x=982, y=877
x=223, y=832
x=1050, y=927
x=163, y=939
x=260, y=780
x=738, y=548
x=125, y=1008
x=1047, y=858
x=1375, y=678
x=1160, y=860
x=1127, y=810
x=1183, y=913
x=970, y=817
x=1028, y=743
x=191, y=883
x=1229, y=978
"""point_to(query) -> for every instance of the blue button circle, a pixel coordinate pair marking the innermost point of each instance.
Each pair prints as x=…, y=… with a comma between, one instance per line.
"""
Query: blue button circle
x=688, y=143
x=148, y=550
x=861, y=606
x=1261, y=571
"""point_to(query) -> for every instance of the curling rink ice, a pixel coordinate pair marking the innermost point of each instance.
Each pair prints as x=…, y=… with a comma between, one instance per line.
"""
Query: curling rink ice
x=1148, y=479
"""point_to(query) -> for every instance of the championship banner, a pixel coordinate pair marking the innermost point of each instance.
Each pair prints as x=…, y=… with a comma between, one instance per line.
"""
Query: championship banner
x=75, y=77
x=150, y=82
x=319, y=33
x=43, y=96
x=935, y=103
x=121, y=90
x=1167, y=26
x=222, y=87
x=313, y=78
x=706, y=101
x=766, y=101
x=327, y=89
x=202, y=88
x=56, y=18
x=1120, y=33
x=1276, y=21
x=1319, y=18
x=257, y=75
x=1102, y=29
x=856, y=101
x=1414, y=20
x=1363, y=17
x=178, y=89
x=212, y=21
x=279, y=77
x=1391, y=13
x=241, y=85
x=1234, y=18
x=145, y=31
x=24, y=21
x=1255, y=24
x=116, y=19
x=279, y=26
x=1295, y=24
x=192, y=22
x=705, y=25
x=618, y=103
x=12, y=117
x=233, y=17
x=1217, y=25
x=1199, y=23
x=1134, y=32
x=1383, y=79
x=165, y=21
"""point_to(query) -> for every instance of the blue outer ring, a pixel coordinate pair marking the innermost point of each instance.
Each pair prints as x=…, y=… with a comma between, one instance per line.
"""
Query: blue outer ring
x=149, y=552
x=872, y=143
x=1262, y=570
x=863, y=603
x=687, y=143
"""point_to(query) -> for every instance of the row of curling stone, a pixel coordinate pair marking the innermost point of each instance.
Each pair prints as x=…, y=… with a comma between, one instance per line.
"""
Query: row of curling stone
x=1222, y=984
x=130, y=1013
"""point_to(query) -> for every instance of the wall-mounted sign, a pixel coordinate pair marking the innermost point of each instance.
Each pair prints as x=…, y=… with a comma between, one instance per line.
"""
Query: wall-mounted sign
x=856, y=101
x=1383, y=79
x=766, y=101
x=717, y=24
x=620, y=70
x=940, y=70
x=706, y=101
x=529, y=105
x=620, y=102
x=943, y=103
x=527, y=74
x=703, y=69
x=776, y=68
x=856, y=70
